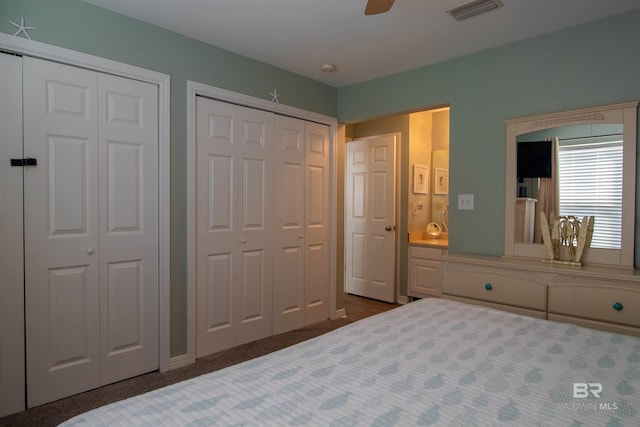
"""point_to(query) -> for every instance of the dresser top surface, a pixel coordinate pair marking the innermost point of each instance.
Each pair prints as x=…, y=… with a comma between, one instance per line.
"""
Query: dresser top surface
x=541, y=265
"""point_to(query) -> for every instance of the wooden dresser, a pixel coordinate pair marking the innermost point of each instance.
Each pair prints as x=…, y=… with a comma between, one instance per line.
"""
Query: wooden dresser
x=596, y=297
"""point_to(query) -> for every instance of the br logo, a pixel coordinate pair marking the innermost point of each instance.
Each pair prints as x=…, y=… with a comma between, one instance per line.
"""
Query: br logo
x=583, y=390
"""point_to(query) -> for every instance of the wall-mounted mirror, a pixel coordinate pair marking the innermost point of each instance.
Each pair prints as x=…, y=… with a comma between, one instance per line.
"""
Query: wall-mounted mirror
x=579, y=163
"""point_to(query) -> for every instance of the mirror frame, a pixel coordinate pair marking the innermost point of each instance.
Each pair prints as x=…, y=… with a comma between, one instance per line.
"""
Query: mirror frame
x=626, y=114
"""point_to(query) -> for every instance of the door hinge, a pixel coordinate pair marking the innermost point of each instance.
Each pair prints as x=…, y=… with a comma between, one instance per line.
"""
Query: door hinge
x=28, y=161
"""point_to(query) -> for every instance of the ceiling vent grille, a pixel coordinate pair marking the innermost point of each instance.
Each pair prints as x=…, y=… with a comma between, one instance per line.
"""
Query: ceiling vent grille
x=473, y=8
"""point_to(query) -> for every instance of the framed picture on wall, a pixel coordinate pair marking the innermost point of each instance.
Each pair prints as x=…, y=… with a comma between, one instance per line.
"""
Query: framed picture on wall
x=420, y=179
x=441, y=181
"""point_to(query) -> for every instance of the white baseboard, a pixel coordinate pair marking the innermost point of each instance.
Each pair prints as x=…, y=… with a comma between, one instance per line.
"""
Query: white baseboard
x=402, y=299
x=180, y=361
x=340, y=313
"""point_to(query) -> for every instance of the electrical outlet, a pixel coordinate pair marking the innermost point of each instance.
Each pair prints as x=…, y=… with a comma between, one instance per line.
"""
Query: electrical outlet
x=465, y=202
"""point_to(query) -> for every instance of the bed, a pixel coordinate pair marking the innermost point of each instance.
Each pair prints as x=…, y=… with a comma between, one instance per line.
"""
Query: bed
x=430, y=362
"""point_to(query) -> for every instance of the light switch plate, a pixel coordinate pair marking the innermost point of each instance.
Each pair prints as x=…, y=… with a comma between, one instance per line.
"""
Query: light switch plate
x=465, y=202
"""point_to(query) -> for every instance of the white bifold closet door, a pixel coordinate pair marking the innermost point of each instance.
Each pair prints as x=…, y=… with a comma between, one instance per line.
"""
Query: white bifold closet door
x=91, y=229
x=234, y=235
x=262, y=224
x=301, y=258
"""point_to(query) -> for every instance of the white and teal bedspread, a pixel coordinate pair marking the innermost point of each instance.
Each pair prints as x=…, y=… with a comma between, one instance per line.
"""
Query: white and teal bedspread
x=431, y=362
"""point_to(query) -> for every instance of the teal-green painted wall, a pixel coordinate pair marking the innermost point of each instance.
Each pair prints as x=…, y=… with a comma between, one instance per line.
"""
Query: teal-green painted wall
x=82, y=27
x=593, y=64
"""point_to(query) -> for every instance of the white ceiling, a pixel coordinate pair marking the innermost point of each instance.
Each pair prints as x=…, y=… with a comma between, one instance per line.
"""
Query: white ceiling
x=301, y=35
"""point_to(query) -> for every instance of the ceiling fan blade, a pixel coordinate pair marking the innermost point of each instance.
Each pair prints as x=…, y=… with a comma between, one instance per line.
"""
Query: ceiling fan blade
x=375, y=7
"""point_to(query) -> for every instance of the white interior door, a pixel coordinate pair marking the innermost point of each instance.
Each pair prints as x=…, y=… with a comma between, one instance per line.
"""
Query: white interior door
x=91, y=229
x=301, y=257
x=128, y=205
x=316, y=235
x=61, y=231
x=11, y=239
x=234, y=237
x=289, y=254
x=370, y=229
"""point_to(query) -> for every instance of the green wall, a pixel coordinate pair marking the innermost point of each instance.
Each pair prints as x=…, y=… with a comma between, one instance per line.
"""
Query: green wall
x=82, y=27
x=592, y=64
x=589, y=65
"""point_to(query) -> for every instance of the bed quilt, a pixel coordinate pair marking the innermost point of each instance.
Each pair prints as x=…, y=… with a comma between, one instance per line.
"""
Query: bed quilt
x=431, y=362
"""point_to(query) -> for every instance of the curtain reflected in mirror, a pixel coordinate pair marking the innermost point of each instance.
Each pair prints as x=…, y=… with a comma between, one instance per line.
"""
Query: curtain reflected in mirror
x=572, y=171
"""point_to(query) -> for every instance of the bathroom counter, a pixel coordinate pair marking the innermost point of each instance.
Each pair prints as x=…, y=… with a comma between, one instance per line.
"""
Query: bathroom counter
x=421, y=239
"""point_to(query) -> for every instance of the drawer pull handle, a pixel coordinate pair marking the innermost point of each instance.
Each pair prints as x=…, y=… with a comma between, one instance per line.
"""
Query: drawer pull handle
x=488, y=286
x=618, y=306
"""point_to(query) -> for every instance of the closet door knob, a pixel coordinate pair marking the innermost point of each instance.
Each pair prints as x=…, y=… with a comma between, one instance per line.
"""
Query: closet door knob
x=300, y=236
x=243, y=240
x=90, y=251
x=617, y=306
x=488, y=286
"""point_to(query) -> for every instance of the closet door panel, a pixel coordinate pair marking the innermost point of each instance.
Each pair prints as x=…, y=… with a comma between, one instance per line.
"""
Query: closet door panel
x=219, y=293
x=216, y=239
x=61, y=230
x=253, y=285
x=316, y=283
x=128, y=159
x=289, y=256
x=234, y=255
x=11, y=244
x=317, y=160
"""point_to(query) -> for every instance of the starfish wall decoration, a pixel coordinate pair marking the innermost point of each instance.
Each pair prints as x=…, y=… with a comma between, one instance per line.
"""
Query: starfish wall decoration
x=275, y=97
x=22, y=28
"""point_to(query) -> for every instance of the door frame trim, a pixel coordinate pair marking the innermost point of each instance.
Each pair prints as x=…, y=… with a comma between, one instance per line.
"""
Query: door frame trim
x=49, y=52
x=195, y=89
x=396, y=202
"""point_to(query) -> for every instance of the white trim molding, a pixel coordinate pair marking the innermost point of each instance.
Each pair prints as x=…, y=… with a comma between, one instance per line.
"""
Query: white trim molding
x=402, y=299
x=195, y=89
x=623, y=113
x=22, y=46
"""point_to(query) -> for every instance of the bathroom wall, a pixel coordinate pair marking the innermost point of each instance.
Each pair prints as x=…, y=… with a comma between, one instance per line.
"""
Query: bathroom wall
x=428, y=146
x=440, y=156
x=420, y=147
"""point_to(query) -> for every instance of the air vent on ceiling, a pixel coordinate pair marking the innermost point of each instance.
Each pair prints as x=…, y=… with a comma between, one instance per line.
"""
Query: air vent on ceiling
x=473, y=8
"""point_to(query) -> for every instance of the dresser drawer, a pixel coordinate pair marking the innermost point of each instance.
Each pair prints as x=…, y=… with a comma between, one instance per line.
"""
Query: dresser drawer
x=607, y=304
x=509, y=288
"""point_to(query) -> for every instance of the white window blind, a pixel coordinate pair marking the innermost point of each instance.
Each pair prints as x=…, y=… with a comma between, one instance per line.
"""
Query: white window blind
x=590, y=183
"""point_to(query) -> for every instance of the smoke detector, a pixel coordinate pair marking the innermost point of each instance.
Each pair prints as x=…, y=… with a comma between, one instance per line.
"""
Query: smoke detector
x=473, y=8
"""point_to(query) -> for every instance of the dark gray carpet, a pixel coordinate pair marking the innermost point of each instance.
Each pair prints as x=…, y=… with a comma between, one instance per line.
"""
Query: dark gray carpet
x=54, y=413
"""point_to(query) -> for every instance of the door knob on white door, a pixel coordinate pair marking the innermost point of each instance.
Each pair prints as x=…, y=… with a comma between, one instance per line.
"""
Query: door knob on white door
x=300, y=236
x=243, y=240
x=390, y=227
x=90, y=251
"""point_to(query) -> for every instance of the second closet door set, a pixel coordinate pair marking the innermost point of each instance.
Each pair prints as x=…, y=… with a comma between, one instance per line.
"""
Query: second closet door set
x=262, y=224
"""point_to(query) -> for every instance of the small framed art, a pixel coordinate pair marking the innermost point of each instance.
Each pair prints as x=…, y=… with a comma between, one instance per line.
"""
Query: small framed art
x=420, y=179
x=441, y=181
